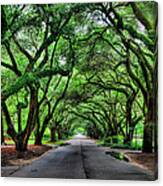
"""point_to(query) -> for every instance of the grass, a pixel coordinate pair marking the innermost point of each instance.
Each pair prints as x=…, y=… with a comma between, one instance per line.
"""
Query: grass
x=135, y=145
x=117, y=155
x=45, y=141
x=30, y=142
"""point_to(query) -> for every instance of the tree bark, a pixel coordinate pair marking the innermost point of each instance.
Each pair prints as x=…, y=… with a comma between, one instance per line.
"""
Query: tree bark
x=129, y=137
x=31, y=118
x=21, y=138
x=19, y=118
x=20, y=144
x=50, y=113
x=2, y=131
x=52, y=134
x=40, y=134
x=59, y=134
x=10, y=127
x=148, y=137
x=149, y=126
x=38, y=140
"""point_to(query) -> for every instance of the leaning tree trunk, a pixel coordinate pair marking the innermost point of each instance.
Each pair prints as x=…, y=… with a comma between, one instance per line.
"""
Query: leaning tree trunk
x=23, y=137
x=40, y=134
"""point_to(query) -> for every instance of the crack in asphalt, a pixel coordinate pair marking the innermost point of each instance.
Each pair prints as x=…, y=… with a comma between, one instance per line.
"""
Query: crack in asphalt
x=83, y=162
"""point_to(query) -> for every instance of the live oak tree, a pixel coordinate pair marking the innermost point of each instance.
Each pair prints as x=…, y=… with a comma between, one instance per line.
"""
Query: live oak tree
x=31, y=32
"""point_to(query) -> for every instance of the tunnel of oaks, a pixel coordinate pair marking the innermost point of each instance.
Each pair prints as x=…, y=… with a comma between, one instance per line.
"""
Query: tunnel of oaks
x=86, y=69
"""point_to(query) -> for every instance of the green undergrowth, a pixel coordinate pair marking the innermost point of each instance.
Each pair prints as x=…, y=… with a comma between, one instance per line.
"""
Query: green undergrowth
x=117, y=155
x=117, y=143
x=45, y=141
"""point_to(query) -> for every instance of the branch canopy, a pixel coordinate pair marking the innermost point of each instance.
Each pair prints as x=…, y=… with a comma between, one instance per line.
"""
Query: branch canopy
x=29, y=78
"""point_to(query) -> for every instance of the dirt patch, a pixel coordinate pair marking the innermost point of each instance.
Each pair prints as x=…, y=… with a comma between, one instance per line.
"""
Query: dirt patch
x=10, y=157
x=145, y=160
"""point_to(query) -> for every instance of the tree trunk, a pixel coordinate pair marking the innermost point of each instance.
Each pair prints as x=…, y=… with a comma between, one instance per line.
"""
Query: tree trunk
x=19, y=118
x=59, y=135
x=52, y=134
x=155, y=95
x=32, y=116
x=20, y=144
x=149, y=127
x=38, y=140
x=129, y=137
x=2, y=131
x=40, y=134
x=130, y=126
x=148, y=137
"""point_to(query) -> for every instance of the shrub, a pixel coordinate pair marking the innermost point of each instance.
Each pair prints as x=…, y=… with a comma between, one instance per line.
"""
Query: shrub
x=120, y=146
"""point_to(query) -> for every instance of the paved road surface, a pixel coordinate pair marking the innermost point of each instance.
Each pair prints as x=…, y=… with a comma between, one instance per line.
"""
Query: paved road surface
x=80, y=160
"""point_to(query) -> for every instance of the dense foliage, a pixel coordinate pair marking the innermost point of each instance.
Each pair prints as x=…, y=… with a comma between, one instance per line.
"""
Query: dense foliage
x=87, y=68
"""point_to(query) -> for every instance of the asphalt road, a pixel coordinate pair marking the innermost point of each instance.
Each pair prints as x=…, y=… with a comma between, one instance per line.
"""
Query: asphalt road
x=82, y=159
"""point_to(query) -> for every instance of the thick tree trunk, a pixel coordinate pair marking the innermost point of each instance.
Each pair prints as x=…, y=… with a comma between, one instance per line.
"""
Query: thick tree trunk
x=148, y=137
x=149, y=127
x=20, y=144
x=38, y=140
